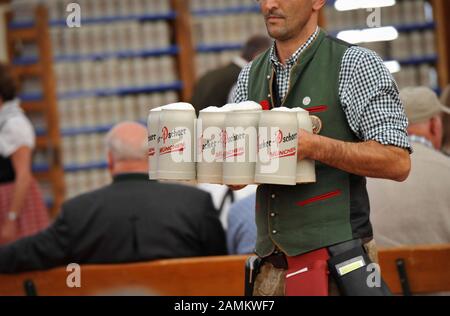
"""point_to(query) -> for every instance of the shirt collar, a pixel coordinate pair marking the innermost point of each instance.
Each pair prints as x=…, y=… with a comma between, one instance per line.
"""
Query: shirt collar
x=131, y=176
x=421, y=140
x=293, y=59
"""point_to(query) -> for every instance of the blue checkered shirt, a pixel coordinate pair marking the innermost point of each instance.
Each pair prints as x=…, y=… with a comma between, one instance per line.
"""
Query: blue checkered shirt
x=367, y=91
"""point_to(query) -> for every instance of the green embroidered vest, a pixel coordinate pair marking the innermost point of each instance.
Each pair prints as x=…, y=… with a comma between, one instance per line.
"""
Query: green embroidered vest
x=298, y=219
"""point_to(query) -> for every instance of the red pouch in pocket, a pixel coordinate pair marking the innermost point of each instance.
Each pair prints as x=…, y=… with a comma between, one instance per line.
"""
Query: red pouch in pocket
x=307, y=274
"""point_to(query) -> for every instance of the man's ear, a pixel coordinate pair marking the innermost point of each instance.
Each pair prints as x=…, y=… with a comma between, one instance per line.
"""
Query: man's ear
x=436, y=125
x=436, y=131
x=110, y=162
x=318, y=4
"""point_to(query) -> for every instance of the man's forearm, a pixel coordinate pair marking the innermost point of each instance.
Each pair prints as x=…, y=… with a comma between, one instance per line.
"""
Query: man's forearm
x=370, y=159
x=21, y=186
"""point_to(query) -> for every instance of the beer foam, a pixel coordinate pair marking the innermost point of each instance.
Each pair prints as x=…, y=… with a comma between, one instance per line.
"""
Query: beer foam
x=229, y=107
x=178, y=106
x=158, y=109
x=214, y=109
x=298, y=109
x=284, y=109
x=247, y=106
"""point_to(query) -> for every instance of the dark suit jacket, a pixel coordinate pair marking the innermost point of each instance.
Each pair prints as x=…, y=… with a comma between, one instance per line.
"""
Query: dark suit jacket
x=213, y=88
x=132, y=219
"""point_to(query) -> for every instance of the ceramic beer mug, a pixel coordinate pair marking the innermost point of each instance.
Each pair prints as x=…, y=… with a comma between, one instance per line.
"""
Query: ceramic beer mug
x=240, y=139
x=306, y=171
x=176, y=146
x=153, y=136
x=277, y=147
x=210, y=131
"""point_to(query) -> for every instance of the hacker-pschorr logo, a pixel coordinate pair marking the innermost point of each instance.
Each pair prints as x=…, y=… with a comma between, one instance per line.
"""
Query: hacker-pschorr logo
x=176, y=133
x=279, y=138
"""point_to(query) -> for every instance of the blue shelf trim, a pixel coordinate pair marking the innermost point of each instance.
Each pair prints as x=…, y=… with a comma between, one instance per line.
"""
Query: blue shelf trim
x=25, y=61
x=230, y=10
x=67, y=132
x=14, y=25
x=416, y=27
x=73, y=168
x=49, y=202
x=40, y=131
x=419, y=60
x=85, y=130
x=40, y=168
x=30, y=97
x=177, y=85
x=110, y=19
x=88, y=166
x=211, y=48
x=171, y=50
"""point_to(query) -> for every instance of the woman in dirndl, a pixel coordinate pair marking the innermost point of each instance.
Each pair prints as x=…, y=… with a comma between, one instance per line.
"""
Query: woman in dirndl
x=22, y=208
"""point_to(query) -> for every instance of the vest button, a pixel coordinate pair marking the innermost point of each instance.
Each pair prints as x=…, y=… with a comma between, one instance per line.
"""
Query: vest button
x=268, y=77
x=273, y=196
x=272, y=214
x=274, y=231
x=268, y=95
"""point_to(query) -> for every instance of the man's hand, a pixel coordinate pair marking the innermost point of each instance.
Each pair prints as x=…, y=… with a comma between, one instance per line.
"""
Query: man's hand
x=368, y=159
x=236, y=187
x=305, y=144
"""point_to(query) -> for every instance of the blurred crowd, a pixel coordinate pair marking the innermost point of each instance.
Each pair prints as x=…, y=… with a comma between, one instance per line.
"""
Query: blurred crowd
x=135, y=219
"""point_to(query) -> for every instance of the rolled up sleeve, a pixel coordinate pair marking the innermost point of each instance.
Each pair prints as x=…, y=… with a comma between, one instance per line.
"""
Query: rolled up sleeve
x=370, y=99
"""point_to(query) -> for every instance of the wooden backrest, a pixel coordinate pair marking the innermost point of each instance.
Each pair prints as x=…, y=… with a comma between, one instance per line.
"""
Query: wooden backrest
x=221, y=276
x=426, y=269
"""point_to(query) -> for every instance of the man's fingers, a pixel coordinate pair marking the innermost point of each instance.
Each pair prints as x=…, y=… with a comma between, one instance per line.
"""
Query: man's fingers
x=236, y=187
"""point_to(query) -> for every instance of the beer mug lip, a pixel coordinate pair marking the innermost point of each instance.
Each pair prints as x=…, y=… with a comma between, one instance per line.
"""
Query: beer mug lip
x=214, y=110
x=179, y=106
x=158, y=109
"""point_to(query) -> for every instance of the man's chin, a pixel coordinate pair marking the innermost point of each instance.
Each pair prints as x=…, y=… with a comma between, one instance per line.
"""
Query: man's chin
x=276, y=33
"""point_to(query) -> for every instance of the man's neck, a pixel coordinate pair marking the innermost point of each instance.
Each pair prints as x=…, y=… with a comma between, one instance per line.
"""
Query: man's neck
x=129, y=167
x=285, y=49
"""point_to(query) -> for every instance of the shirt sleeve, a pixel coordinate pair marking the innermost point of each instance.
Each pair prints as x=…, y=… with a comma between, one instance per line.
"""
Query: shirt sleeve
x=211, y=230
x=16, y=133
x=241, y=92
x=44, y=250
x=241, y=232
x=370, y=99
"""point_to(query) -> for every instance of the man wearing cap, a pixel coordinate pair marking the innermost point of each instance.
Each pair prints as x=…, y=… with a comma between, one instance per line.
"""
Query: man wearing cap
x=360, y=131
x=418, y=210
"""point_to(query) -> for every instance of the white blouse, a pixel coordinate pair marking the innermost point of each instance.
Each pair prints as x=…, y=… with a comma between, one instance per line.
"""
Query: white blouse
x=15, y=133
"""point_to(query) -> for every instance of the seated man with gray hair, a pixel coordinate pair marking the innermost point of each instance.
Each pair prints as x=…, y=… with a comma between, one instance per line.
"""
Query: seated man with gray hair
x=132, y=219
x=416, y=211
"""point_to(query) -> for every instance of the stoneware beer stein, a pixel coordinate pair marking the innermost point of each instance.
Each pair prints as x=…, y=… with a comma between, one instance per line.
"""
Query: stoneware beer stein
x=153, y=136
x=176, y=144
x=306, y=171
x=240, y=138
x=277, y=147
x=210, y=131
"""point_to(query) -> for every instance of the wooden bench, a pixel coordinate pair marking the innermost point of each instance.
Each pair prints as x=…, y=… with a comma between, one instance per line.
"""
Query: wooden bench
x=426, y=270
